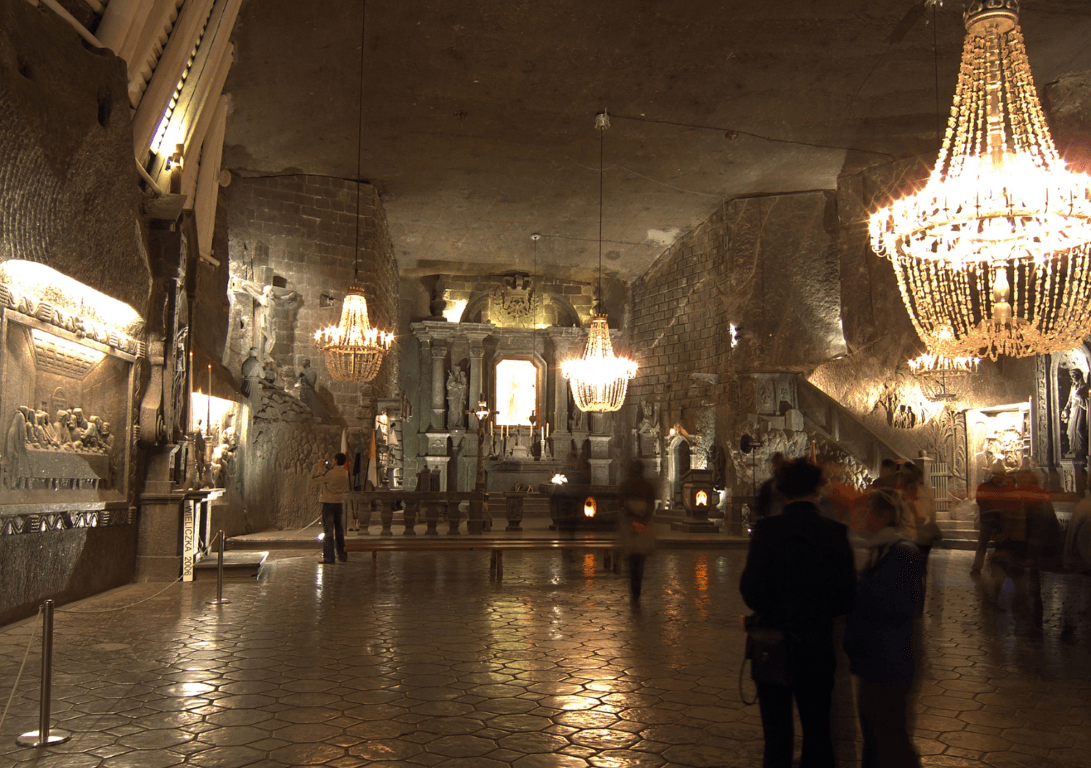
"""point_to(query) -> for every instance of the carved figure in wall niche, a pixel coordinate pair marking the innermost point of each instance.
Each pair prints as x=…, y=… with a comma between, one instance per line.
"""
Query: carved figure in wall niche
x=15, y=462
x=92, y=435
x=649, y=424
x=251, y=372
x=78, y=425
x=1074, y=414
x=28, y=426
x=43, y=431
x=60, y=426
x=456, y=397
x=308, y=394
x=578, y=421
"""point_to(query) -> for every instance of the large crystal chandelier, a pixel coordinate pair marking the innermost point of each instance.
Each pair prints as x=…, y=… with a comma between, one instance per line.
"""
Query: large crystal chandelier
x=992, y=255
x=599, y=379
x=354, y=350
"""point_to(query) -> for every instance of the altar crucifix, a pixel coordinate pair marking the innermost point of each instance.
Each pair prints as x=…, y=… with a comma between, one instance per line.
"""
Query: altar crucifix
x=266, y=298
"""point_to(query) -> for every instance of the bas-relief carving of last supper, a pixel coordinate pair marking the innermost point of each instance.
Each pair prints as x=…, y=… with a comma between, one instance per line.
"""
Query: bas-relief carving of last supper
x=66, y=387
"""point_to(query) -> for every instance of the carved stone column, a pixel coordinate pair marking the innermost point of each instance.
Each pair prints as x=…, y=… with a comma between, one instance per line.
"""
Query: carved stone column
x=477, y=352
x=423, y=398
x=439, y=353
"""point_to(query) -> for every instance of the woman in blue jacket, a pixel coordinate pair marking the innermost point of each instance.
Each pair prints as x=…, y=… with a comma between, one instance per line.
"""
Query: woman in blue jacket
x=879, y=636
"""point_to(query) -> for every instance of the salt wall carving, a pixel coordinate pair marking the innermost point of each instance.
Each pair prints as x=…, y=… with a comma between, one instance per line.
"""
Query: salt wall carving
x=997, y=434
x=515, y=304
x=31, y=306
x=277, y=461
x=38, y=522
x=66, y=402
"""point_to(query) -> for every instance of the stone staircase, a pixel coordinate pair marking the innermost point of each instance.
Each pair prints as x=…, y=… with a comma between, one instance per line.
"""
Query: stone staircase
x=829, y=420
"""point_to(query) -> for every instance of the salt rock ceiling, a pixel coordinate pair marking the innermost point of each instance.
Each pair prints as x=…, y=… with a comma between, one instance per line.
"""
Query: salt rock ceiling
x=478, y=117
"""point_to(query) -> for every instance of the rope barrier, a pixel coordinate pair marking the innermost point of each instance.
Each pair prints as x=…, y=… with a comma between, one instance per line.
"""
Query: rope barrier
x=124, y=607
x=22, y=666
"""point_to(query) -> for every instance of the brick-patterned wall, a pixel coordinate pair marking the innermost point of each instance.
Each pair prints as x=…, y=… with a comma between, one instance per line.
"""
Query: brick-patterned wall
x=302, y=228
x=678, y=324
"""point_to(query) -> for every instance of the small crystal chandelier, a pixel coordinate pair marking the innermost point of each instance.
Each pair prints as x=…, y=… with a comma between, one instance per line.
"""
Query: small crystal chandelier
x=354, y=350
x=599, y=379
x=943, y=378
x=992, y=255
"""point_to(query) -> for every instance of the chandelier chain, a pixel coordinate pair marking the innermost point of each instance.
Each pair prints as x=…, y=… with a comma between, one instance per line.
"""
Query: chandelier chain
x=359, y=145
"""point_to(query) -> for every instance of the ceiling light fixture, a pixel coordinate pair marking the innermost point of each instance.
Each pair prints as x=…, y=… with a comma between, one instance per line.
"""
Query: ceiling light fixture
x=354, y=350
x=943, y=378
x=991, y=255
x=599, y=379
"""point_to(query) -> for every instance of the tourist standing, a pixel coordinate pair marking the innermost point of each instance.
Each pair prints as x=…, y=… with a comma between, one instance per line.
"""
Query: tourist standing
x=879, y=636
x=332, y=479
x=799, y=576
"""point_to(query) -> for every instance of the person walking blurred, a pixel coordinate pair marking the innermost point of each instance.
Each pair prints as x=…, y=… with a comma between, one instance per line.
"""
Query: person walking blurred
x=637, y=499
x=799, y=576
x=993, y=498
x=879, y=636
x=919, y=525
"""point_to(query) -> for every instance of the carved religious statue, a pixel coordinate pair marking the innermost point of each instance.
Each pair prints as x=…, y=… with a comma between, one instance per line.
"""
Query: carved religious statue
x=266, y=298
x=308, y=394
x=649, y=424
x=1074, y=414
x=456, y=397
x=251, y=373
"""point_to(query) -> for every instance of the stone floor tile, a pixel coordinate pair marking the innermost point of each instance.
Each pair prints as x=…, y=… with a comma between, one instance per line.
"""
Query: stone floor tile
x=543, y=676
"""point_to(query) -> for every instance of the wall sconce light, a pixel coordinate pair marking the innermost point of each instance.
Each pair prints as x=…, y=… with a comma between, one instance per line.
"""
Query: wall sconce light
x=590, y=507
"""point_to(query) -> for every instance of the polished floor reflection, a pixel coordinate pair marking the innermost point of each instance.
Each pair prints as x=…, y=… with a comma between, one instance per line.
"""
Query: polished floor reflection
x=429, y=662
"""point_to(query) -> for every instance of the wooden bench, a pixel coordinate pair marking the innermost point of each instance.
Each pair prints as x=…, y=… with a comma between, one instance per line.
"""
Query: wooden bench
x=496, y=548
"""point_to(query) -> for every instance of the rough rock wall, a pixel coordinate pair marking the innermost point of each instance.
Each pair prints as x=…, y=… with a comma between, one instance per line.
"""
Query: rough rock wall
x=68, y=182
x=283, y=445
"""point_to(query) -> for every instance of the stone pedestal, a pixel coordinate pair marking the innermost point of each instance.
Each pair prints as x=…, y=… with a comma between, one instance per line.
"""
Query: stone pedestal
x=514, y=510
x=437, y=443
x=698, y=498
x=600, y=471
x=163, y=537
x=600, y=446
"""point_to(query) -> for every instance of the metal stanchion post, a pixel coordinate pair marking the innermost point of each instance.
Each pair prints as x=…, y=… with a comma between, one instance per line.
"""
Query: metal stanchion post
x=43, y=737
x=220, y=575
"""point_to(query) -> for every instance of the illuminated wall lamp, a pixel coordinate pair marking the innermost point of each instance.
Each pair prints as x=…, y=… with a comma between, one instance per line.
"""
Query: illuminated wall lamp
x=590, y=507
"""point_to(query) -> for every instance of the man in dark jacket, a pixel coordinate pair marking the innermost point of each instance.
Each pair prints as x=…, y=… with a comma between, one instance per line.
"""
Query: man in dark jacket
x=799, y=576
